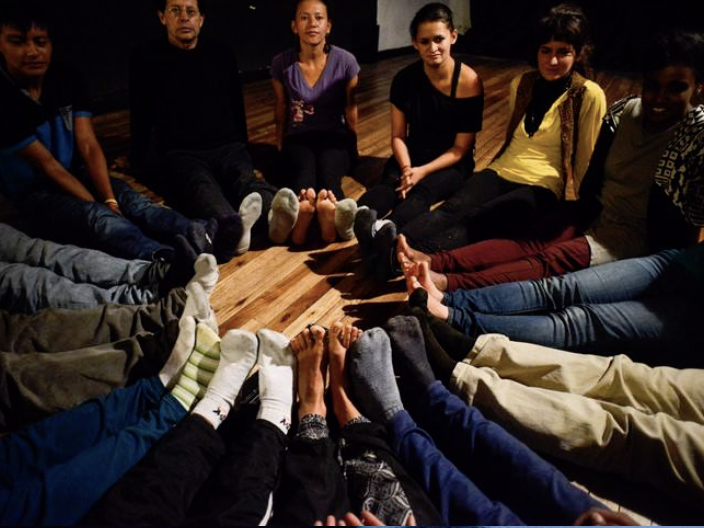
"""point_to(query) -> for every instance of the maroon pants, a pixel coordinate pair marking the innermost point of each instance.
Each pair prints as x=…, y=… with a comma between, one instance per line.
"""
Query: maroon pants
x=548, y=252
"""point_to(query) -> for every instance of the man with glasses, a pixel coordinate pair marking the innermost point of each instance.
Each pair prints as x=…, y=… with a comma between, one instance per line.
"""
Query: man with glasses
x=52, y=167
x=185, y=91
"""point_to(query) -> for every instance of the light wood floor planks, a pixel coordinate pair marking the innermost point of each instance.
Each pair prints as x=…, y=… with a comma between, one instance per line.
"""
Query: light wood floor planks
x=285, y=289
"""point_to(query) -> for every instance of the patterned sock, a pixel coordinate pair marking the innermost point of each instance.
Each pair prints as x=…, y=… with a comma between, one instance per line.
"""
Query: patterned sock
x=250, y=211
x=345, y=212
x=283, y=215
x=372, y=376
x=238, y=355
x=193, y=381
x=410, y=359
x=274, y=349
x=276, y=395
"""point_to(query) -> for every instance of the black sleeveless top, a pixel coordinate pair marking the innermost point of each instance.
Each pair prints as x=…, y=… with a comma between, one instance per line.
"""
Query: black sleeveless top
x=433, y=118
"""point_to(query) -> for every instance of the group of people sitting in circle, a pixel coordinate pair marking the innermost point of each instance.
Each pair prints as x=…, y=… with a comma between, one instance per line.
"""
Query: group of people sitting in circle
x=533, y=287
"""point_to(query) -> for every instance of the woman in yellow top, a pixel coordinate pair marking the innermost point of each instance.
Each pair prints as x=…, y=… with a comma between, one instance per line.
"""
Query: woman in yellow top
x=555, y=118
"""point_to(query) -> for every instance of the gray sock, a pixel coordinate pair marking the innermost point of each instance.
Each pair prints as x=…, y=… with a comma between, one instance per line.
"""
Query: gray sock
x=283, y=215
x=345, y=211
x=250, y=211
x=372, y=376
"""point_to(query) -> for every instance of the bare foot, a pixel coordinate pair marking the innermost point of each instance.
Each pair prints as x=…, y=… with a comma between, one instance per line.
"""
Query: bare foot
x=305, y=216
x=341, y=338
x=440, y=280
x=418, y=276
x=325, y=206
x=403, y=250
x=309, y=349
x=438, y=309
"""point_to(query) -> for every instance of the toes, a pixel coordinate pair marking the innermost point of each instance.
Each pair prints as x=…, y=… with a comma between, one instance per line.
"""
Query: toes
x=317, y=334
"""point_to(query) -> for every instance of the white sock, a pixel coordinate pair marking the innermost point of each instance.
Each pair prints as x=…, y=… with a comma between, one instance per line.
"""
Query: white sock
x=238, y=354
x=274, y=349
x=206, y=273
x=283, y=215
x=193, y=381
x=198, y=305
x=250, y=211
x=276, y=395
x=376, y=226
x=185, y=343
x=345, y=211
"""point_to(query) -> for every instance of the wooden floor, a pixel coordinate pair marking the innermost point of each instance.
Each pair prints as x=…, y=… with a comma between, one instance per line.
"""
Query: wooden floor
x=285, y=289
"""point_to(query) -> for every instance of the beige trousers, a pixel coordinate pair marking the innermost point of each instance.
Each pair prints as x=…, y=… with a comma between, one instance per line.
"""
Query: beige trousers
x=606, y=413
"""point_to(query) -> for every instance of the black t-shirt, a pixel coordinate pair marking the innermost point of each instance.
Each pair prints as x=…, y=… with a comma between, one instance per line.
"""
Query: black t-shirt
x=433, y=118
x=189, y=99
x=49, y=120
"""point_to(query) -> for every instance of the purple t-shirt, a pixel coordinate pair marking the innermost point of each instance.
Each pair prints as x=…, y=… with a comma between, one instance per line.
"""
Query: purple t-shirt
x=321, y=107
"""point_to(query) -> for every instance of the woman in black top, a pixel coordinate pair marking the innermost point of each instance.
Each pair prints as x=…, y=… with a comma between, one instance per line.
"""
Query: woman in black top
x=436, y=111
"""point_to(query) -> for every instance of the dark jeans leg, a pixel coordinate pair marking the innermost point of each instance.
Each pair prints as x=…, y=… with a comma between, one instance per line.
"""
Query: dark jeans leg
x=240, y=490
x=383, y=197
x=298, y=165
x=434, y=188
x=501, y=465
x=190, y=181
x=159, y=490
x=66, y=219
x=458, y=499
x=486, y=207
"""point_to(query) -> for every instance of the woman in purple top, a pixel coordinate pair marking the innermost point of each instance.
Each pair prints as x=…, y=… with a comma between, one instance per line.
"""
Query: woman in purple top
x=316, y=117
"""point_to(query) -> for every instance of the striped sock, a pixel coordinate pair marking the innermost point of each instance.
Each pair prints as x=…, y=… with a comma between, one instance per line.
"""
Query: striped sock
x=199, y=369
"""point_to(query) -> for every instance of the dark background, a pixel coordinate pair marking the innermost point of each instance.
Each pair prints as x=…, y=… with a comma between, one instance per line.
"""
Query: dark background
x=98, y=36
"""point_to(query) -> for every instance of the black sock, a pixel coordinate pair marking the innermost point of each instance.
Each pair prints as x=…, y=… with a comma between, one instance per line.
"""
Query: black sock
x=440, y=361
x=455, y=343
x=228, y=236
x=385, y=245
x=363, y=222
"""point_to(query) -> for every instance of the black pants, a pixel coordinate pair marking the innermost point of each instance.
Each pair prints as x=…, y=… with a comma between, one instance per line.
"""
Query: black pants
x=212, y=183
x=316, y=160
x=487, y=206
x=192, y=477
x=313, y=484
x=384, y=197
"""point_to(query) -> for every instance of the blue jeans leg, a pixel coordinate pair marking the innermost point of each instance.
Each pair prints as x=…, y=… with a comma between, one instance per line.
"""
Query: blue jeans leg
x=68, y=220
x=502, y=466
x=458, y=500
x=156, y=220
x=27, y=455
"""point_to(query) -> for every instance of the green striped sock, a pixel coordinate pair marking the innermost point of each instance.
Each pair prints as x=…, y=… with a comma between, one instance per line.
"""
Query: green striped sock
x=199, y=369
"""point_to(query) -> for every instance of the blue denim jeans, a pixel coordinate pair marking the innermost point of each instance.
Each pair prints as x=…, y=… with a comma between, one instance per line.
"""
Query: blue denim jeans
x=53, y=471
x=479, y=474
x=37, y=274
x=645, y=305
x=134, y=235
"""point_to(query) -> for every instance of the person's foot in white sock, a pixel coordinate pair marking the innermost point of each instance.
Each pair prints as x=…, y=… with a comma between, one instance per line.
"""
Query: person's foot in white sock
x=184, y=345
x=238, y=354
x=250, y=211
x=274, y=349
x=345, y=212
x=283, y=215
x=198, y=305
x=276, y=395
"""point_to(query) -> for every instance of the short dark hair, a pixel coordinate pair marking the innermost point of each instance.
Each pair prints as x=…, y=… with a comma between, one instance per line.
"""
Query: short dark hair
x=23, y=15
x=566, y=23
x=675, y=47
x=326, y=3
x=202, y=5
x=433, y=12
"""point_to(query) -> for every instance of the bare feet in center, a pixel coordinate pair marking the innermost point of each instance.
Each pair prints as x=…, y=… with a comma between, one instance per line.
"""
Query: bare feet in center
x=341, y=338
x=406, y=252
x=418, y=276
x=325, y=206
x=309, y=349
x=305, y=216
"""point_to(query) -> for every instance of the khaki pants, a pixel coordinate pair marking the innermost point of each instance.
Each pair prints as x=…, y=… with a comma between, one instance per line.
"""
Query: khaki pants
x=606, y=413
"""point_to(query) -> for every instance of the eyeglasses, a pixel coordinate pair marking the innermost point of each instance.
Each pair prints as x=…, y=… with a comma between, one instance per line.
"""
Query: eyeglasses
x=175, y=11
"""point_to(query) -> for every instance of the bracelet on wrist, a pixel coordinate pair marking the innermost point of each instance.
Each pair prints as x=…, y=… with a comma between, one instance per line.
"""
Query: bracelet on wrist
x=110, y=201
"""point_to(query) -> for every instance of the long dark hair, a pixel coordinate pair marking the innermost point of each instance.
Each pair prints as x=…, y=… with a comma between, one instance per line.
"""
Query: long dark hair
x=675, y=47
x=328, y=8
x=433, y=12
